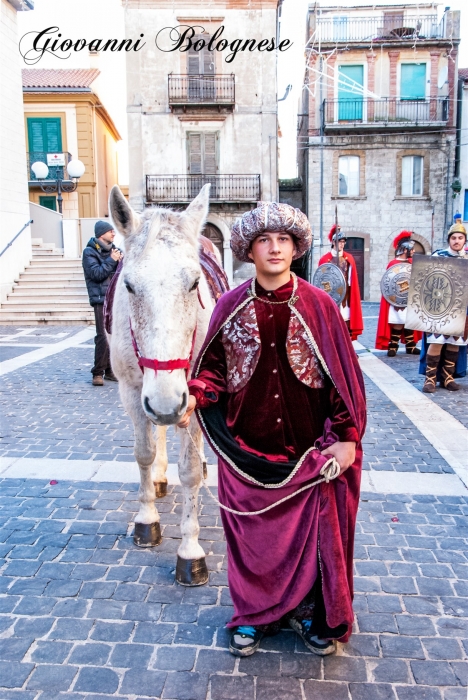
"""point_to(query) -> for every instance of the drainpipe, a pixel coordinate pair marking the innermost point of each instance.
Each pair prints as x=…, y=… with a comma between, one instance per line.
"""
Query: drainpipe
x=458, y=126
x=448, y=194
x=322, y=116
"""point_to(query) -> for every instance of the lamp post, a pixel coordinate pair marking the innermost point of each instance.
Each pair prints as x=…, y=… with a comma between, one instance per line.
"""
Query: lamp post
x=75, y=170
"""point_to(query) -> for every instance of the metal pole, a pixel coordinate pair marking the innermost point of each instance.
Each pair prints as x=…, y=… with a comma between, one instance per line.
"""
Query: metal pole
x=432, y=231
x=322, y=119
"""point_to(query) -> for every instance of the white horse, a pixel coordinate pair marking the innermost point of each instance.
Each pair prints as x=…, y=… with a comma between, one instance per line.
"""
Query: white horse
x=163, y=298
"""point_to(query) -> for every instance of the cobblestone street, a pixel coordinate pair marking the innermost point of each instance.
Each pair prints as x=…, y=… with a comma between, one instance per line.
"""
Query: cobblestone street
x=84, y=614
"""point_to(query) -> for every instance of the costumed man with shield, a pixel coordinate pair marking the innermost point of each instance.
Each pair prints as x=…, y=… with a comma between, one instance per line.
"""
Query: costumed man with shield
x=350, y=307
x=280, y=397
x=392, y=314
x=444, y=356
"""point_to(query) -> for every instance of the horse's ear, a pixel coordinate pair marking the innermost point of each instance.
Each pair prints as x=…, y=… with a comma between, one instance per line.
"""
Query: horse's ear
x=197, y=210
x=125, y=219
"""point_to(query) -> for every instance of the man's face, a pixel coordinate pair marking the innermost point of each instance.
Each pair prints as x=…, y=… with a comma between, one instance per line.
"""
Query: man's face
x=457, y=241
x=108, y=236
x=341, y=245
x=273, y=253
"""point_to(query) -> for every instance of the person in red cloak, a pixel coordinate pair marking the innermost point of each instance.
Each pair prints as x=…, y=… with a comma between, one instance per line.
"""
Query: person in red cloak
x=280, y=398
x=390, y=326
x=351, y=305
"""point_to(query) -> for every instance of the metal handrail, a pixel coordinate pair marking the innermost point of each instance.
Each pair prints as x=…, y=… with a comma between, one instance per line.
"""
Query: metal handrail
x=31, y=221
x=183, y=188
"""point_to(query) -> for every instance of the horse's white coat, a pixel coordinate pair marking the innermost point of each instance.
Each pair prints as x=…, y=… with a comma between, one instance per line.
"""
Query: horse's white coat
x=156, y=292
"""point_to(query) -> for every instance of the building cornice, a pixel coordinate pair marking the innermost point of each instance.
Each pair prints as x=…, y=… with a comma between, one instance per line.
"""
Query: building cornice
x=74, y=98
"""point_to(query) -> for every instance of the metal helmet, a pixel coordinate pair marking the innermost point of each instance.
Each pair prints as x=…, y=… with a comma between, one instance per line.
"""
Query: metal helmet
x=403, y=243
x=336, y=235
x=456, y=228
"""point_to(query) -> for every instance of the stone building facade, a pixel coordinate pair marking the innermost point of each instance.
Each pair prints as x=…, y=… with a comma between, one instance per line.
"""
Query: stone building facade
x=377, y=149
x=195, y=118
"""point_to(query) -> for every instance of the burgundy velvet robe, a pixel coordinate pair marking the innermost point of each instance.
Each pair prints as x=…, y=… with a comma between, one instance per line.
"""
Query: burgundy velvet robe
x=273, y=556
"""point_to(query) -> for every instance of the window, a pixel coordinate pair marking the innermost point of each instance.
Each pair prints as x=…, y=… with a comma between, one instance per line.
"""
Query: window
x=48, y=202
x=340, y=28
x=465, y=208
x=202, y=153
x=348, y=176
x=412, y=176
x=200, y=62
x=413, y=81
x=44, y=135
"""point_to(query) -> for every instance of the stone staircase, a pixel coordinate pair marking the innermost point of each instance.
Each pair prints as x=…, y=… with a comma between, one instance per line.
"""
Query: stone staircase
x=51, y=290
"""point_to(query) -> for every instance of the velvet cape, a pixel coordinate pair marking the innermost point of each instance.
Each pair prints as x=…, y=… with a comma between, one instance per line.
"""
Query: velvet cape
x=273, y=557
x=382, y=338
x=356, y=322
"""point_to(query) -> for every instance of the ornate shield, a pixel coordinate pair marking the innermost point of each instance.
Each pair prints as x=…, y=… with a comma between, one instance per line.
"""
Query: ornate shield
x=330, y=278
x=438, y=295
x=395, y=284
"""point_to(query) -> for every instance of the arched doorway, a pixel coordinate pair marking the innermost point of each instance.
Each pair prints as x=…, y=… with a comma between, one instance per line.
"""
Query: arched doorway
x=355, y=246
x=216, y=237
x=418, y=249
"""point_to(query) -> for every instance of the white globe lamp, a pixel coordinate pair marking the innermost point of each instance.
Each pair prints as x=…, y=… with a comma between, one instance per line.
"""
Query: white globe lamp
x=40, y=170
x=75, y=168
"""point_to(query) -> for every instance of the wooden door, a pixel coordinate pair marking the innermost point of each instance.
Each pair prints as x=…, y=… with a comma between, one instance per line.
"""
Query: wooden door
x=355, y=246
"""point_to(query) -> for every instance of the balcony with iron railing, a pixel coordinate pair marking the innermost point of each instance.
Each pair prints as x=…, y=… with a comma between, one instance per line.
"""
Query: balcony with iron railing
x=174, y=189
x=56, y=162
x=333, y=29
x=384, y=112
x=201, y=91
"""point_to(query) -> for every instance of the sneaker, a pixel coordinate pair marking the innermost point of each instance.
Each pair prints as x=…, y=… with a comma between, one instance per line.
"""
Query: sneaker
x=98, y=380
x=110, y=376
x=245, y=640
x=321, y=647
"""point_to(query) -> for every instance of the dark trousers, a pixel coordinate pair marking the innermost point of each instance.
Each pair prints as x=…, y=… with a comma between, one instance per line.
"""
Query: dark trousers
x=101, y=350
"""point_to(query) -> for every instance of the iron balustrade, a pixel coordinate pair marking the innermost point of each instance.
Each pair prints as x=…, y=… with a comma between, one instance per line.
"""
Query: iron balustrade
x=343, y=28
x=183, y=188
x=56, y=172
x=201, y=89
x=385, y=111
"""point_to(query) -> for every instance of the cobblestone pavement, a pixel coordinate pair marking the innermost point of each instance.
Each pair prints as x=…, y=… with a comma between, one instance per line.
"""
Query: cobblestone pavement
x=85, y=614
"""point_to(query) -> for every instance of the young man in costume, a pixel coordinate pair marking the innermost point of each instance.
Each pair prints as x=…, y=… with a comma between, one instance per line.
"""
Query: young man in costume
x=280, y=396
x=444, y=357
x=390, y=326
x=351, y=305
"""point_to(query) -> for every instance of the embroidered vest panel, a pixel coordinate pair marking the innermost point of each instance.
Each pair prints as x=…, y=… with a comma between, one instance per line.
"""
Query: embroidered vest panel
x=242, y=346
x=302, y=357
x=241, y=340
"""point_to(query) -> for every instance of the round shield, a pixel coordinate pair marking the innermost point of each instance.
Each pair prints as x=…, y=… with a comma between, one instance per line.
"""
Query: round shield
x=395, y=284
x=330, y=278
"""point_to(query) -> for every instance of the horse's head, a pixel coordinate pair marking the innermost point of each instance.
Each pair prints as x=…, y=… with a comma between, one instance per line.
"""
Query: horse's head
x=161, y=272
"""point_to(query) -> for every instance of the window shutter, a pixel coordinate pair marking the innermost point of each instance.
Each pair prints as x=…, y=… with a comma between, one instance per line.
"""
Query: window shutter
x=36, y=139
x=193, y=60
x=208, y=59
x=53, y=135
x=413, y=81
x=195, y=153
x=210, y=153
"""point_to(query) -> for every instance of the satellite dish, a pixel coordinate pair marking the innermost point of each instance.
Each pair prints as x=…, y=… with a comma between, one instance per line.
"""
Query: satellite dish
x=443, y=75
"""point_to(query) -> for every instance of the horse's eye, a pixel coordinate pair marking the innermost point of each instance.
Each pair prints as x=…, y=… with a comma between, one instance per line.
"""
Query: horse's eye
x=129, y=288
x=194, y=285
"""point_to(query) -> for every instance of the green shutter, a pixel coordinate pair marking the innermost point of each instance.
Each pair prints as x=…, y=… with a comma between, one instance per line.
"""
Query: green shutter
x=413, y=81
x=44, y=135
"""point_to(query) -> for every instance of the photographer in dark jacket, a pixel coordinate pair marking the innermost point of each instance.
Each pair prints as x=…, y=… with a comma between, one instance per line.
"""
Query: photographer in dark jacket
x=100, y=260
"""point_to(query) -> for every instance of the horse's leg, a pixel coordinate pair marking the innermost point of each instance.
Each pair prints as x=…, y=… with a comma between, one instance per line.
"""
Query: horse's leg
x=160, y=465
x=191, y=565
x=147, y=528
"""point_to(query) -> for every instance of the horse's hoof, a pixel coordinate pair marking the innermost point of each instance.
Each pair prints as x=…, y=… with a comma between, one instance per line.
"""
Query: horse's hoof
x=160, y=488
x=147, y=535
x=205, y=470
x=191, y=572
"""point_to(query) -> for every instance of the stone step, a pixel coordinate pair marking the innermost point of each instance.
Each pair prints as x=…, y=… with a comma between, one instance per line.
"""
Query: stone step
x=7, y=318
x=59, y=262
x=37, y=277
x=54, y=283
x=35, y=304
x=78, y=292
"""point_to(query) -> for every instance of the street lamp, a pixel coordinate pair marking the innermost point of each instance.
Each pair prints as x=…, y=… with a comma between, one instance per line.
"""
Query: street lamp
x=75, y=170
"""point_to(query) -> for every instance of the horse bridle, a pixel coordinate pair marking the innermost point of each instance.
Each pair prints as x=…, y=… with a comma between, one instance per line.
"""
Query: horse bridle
x=166, y=365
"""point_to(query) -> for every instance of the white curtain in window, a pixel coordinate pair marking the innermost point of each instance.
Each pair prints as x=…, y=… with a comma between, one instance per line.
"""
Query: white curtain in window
x=348, y=170
x=412, y=176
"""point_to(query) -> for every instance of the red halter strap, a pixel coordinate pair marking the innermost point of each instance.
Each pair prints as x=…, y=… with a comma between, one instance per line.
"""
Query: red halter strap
x=167, y=365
